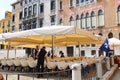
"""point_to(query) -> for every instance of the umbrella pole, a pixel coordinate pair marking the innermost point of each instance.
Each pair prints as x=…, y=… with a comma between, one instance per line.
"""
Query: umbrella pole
x=113, y=49
x=79, y=49
x=15, y=52
x=52, y=46
x=8, y=50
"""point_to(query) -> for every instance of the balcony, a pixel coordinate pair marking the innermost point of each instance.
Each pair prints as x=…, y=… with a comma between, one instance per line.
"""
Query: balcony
x=41, y=15
x=34, y=15
x=71, y=6
x=52, y=12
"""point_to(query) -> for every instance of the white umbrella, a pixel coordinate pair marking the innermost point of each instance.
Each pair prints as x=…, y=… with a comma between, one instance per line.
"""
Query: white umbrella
x=114, y=41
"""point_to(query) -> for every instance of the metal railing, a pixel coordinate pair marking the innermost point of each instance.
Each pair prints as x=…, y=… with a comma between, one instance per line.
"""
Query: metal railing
x=104, y=66
x=53, y=75
x=89, y=72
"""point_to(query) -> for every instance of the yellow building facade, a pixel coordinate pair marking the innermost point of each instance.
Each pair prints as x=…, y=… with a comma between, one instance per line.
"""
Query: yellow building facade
x=5, y=25
x=16, y=16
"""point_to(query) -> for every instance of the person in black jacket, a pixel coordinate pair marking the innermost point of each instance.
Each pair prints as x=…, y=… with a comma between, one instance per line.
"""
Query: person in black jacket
x=40, y=60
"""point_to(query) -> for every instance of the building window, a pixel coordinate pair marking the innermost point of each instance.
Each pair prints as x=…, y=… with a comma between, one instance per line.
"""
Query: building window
x=93, y=20
x=41, y=8
x=71, y=2
x=93, y=45
x=92, y=14
x=88, y=22
x=20, y=27
x=6, y=15
x=118, y=14
x=52, y=5
x=30, y=0
x=14, y=7
x=20, y=3
x=13, y=17
x=119, y=36
x=34, y=9
x=83, y=24
x=13, y=28
x=52, y=20
x=34, y=24
x=71, y=21
x=30, y=11
x=9, y=23
x=87, y=45
x=20, y=15
x=82, y=45
x=61, y=7
x=110, y=35
x=77, y=21
x=61, y=22
x=25, y=12
x=100, y=18
x=81, y=1
x=100, y=12
x=24, y=26
x=3, y=25
x=29, y=25
x=77, y=2
x=25, y=1
x=82, y=53
x=91, y=1
x=2, y=46
x=93, y=52
x=41, y=22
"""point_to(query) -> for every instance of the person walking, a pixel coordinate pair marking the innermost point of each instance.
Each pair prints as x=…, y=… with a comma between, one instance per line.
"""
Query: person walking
x=40, y=60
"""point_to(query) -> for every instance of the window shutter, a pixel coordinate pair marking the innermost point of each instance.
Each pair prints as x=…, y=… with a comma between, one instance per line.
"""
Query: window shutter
x=93, y=22
x=83, y=23
x=88, y=23
x=101, y=20
x=118, y=17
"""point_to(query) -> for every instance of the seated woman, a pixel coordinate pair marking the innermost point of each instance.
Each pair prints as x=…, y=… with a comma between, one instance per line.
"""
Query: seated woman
x=62, y=54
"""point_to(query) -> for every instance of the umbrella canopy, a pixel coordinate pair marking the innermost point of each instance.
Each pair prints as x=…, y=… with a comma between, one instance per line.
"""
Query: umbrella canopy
x=63, y=35
x=114, y=41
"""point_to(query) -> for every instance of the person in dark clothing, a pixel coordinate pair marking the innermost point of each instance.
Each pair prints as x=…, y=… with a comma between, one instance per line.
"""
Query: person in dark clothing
x=40, y=60
x=35, y=52
x=49, y=54
x=62, y=54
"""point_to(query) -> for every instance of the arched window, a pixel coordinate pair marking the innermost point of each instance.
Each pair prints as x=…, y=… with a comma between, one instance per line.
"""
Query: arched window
x=83, y=25
x=61, y=5
x=77, y=17
x=82, y=16
x=110, y=35
x=61, y=22
x=119, y=36
x=88, y=22
x=100, y=34
x=71, y=21
x=118, y=14
x=100, y=12
x=93, y=20
x=100, y=18
x=92, y=14
x=118, y=9
x=77, y=21
x=87, y=15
